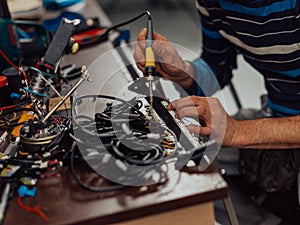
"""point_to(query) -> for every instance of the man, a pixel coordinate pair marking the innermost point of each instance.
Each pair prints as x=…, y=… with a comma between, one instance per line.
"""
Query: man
x=267, y=34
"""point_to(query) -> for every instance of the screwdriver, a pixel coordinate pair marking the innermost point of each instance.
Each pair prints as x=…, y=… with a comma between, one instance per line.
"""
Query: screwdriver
x=149, y=58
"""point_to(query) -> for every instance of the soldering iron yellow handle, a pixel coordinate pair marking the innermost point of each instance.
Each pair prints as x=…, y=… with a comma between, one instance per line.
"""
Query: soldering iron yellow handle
x=149, y=55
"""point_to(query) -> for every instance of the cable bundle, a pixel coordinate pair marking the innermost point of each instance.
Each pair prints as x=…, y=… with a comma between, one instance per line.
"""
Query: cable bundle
x=133, y=137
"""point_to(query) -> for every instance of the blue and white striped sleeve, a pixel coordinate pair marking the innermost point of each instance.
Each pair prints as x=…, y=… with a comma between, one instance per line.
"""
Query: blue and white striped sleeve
x=214, y=68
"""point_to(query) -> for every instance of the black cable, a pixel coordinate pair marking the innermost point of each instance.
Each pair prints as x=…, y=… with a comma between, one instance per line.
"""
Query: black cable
x=143, y=153
x=104, y=36
x=129, y=21
x=57, y=140
x=116, y=187
x=111, y=98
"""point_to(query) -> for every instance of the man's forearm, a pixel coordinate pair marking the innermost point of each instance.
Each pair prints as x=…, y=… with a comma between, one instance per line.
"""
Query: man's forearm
x=268, y=133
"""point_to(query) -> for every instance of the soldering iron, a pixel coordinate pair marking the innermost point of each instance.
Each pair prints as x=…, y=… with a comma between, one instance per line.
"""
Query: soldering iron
x=149, y=57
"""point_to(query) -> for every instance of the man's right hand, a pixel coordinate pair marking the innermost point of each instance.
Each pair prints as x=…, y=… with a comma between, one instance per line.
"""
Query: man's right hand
x=168, y=62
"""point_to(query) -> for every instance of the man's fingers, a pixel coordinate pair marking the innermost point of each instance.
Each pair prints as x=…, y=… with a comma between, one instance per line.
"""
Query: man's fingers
x=188, y=101
x=199, y=130
x=138, y=54
x=159, y=37
x=190, y=111
x=140, y=45
x=141, y=66
x=142, y=35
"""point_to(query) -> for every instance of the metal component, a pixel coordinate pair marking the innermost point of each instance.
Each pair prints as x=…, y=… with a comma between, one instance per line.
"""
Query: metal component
x=38, y=105
x=35, y=143
x=150, y=79
x=38, y=86
x=37, y=91
x=230, y=211
x=85, y=76
x=228, y=204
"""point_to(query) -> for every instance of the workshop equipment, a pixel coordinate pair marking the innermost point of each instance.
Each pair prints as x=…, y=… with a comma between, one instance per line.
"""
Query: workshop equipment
x=16, y=43
x=9, y=44
x=85, y=76
x=15, y=81
x=33, y=39
x=34, y=136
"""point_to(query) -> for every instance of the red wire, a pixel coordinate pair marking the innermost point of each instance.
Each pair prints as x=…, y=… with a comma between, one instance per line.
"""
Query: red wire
x=36, y=209
x=7, y=107
x=11, y=106
x=14, y=66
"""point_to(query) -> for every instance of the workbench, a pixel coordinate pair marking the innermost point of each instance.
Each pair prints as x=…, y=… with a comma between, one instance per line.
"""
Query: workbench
x=186, y=198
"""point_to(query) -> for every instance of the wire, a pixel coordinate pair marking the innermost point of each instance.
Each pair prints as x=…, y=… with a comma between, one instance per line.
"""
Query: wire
x=115, y=138
x=39, y=71
x=8, y=122
x=122, y=129
x=116, y=187
x=13, y=106
x=92, y=119
x=36, y=209
x=129, y=21
x=104, y=36
x=107, y=97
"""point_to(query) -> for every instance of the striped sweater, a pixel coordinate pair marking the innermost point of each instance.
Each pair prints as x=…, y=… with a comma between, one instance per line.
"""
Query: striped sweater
x=266, y=33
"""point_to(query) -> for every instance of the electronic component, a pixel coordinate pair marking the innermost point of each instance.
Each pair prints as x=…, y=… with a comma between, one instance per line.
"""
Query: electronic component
x=34, y=138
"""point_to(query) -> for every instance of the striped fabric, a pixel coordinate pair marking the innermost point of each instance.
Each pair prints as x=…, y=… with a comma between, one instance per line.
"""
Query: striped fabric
x=266, y=33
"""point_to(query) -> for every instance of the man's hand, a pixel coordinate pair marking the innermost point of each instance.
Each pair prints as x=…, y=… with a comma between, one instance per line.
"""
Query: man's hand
x=168, y=62
x=258, y=133
x=212, y=116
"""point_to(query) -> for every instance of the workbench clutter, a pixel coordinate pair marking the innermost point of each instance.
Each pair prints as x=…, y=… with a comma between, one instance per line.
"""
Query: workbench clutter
x=85, y=34
x=34, y=134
